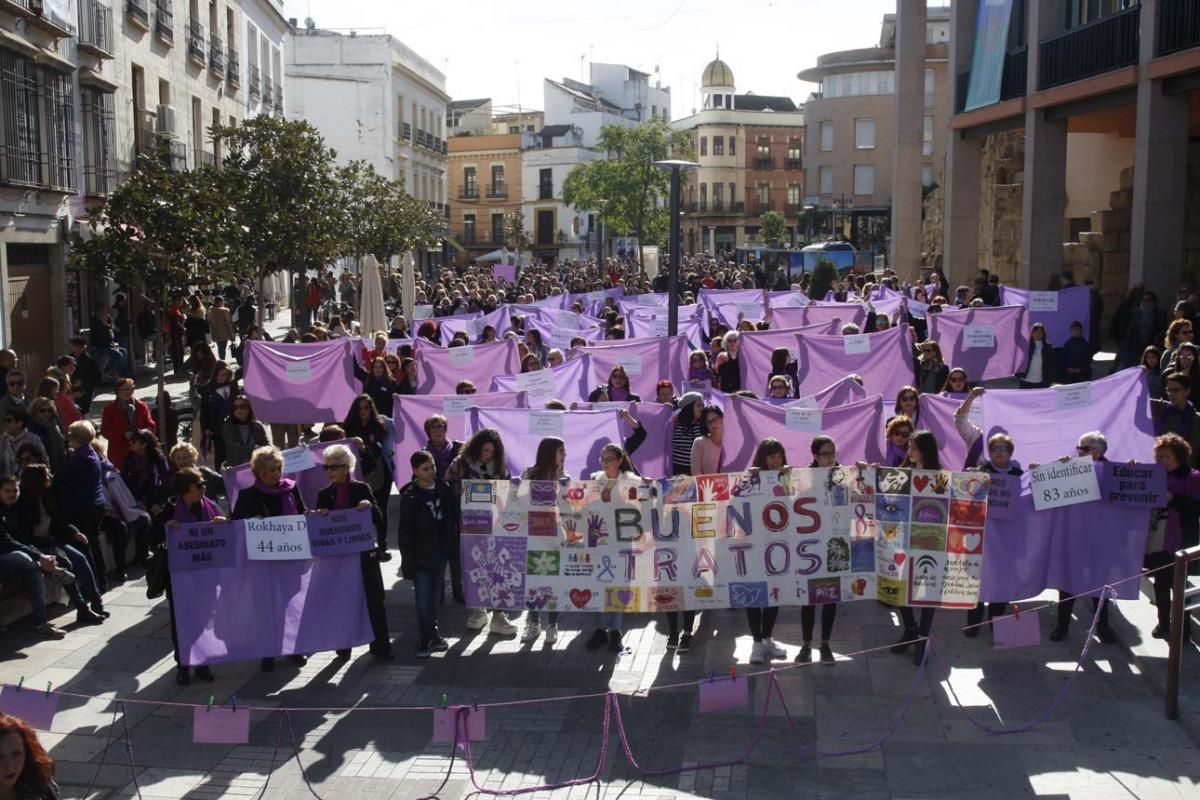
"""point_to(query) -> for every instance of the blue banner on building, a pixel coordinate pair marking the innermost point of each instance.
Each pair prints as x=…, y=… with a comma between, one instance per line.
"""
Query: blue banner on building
x=987, y=62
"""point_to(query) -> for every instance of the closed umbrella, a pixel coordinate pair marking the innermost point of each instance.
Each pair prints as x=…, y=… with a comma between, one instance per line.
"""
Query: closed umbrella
x=372, y=315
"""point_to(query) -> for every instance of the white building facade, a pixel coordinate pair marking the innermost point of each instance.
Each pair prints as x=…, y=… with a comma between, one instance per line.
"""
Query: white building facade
x=86, y=85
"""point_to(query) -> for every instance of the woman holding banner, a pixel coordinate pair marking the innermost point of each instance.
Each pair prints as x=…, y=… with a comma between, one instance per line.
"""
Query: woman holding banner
x=378, y=437
x=824, y=453
x=769, y=456
x=616, y=467
x=243, y=434
x=344, y=492
x=271, y=495
x=547, y=466
x=922, y=454
x=618, y=386
x=189, y=505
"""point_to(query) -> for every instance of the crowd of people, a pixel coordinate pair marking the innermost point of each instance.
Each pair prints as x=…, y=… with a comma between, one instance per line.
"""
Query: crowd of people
x=82, y=495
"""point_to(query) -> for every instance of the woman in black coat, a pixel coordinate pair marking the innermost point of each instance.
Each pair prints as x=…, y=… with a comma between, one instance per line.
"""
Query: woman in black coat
x=428, y=534
x=344, y=492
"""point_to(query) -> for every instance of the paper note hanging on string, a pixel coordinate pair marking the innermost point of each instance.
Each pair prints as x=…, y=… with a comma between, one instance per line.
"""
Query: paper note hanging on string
x=857, y=344
x=1043, y=301
x=546, y=423
x=1076, y=395
x=36, y=708
x=446, y=728
x=724, y=694
x=299, y=371
x=220, y=725
x=1020, y=630
x=803, y=419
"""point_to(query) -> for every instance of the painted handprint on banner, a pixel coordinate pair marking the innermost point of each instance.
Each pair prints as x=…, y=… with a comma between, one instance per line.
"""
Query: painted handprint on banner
x=597, y=533
x=571, y=533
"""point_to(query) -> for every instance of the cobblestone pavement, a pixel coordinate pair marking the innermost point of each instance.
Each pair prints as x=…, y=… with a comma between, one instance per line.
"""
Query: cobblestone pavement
x=1109, y=739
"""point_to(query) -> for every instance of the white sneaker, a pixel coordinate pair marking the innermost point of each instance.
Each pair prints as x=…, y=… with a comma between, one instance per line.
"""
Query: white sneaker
x=477, y=619
x=501, y=626
x=531, y=632
x=774, y=650
x=758, y=653
x=551, y=634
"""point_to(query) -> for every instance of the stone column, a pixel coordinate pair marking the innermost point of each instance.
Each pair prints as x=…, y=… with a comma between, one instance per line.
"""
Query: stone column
x=961, y=179
x=1160, y=159
x=906, y=142
x=1044, y=201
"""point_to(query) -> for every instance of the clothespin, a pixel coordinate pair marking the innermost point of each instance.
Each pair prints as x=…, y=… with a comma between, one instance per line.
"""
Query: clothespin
x=733, y=673
x=235, y=704
x=211, y=698
x=443, y=700
x=20, y=683
x=47, y=688
x=475, y=702
x=712, y=676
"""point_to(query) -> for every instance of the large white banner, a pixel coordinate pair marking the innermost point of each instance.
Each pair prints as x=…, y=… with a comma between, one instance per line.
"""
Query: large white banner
x=801, y=536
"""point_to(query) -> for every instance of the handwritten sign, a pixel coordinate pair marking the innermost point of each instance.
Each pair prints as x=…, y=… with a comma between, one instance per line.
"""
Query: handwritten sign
x=200, y=545
x=978, y=337
x=1076, y=395
x=1043, y=301
x=1003, y=492
x=461, y=356
x=545, y=423
x=298, y=459
x=632, y=364
x=749, y=310
x=1060, y=484
x=857, y=344
x=539, y=384
x=220, y=725
x=341, y=532
x=299, y=371
x=457, y=405
x=277, y=538
x=803, y=419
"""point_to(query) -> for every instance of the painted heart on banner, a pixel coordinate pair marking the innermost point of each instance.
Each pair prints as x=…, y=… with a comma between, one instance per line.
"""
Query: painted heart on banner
x=580, y=597
x=921, y=482
x=971, y=542
x=899, y=559
x=625, y=596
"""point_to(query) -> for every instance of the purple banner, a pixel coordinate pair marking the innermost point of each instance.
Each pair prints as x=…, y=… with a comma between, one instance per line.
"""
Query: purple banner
x=556, y=336
x=411, y=411
x=309, y=481
x=987, y=342
x=258, y=609
x=647, y=326
x=301, y=383
x=937, y=416
x=567, y=382
x=884, y=360
x=1133, y=485
x=468, y=323
x=755, y=349
x=1047, y=423
x=633, y=302
x=439, y=369
x=201, y=545
x=1069, y=305
x=646, y=361
x=504, y=272
x=821, y=314
x=341, y=533
x=585, y=434
x=854, y=427
x=839, y=393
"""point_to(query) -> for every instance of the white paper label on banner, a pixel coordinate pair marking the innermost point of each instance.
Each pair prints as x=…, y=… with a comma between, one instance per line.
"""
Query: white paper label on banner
x=857, y=344
x=1075, y=395
x=750, y=310
x=277, y=538
x=560, y=338
x=545, y=423
x=1043, y=301
x=975, y=413
x=647, y=300
x=422, y=311
x=568, y=321
x=804, y=402
x=608, y=405
x=659, y=326
x=298, y=459
x=538, y=384
x=1057, y=484
x=803, y=419
x=299, y=371
x=457, y=405
x=632, y=364
x=461, y=356
x=475, y=327
x=978, y=336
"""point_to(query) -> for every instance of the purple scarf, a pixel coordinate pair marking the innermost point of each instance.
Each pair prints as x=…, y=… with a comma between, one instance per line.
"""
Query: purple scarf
x=284, y=491
x=895, y=454
x=341, y=494
x=184, y=515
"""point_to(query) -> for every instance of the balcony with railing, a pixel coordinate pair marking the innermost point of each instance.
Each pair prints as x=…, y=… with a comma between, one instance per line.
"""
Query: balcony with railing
x=268, y=91
x=792, y=163
x=1092, y=49
x=759, y=207
x=764, y=162
x=38, y=14
x=469, y=191
x=255, y=89
x=499, y=190
x=406, y=132
x=164, y=22
x=95, y=29
x=233, y=69
x=1178, y=26
x=1012, y=80
x=216, y=54
x=196, y=46
x=138, y=14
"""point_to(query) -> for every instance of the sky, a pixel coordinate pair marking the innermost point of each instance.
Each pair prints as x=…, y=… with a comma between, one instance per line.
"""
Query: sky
x=503, y=49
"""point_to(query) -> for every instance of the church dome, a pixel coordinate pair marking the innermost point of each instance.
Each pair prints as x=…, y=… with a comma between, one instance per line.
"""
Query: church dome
x=717, y=73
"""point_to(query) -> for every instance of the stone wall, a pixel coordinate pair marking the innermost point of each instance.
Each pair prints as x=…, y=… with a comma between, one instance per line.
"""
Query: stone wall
x=933, y=227
x=1002, y=172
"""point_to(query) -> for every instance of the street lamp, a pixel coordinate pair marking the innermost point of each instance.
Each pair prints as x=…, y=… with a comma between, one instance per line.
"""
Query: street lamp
x=676, y=166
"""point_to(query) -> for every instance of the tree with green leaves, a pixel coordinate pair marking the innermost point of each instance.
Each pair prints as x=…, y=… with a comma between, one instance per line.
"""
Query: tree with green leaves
x=164, y=231
x=626, y=191
x=772, y=226
x=515, y=236
x=824, y=276
x=382, y=218
x=282, y=186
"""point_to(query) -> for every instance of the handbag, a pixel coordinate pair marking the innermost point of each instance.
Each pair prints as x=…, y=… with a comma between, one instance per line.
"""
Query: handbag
x=156, y=573
x=1156, y=540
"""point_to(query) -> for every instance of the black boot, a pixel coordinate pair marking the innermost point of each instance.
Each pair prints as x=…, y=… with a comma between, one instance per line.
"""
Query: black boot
x=908, y=637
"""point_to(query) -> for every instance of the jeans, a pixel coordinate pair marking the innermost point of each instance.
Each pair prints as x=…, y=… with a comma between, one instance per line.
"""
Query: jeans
x=114, y=358
x=16, y=563
x=84, y=589
x=427, y=592
x=534, y=616
x=221, y=346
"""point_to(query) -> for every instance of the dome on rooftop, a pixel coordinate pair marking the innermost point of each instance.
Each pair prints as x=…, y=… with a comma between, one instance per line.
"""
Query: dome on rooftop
x=717, y=73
